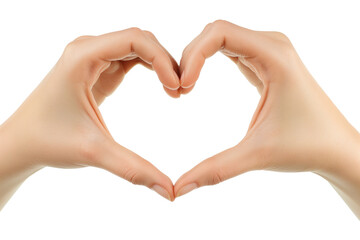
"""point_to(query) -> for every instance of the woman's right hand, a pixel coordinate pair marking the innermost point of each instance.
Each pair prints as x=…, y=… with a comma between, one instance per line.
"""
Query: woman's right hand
x=60, y=125
x=295, y=127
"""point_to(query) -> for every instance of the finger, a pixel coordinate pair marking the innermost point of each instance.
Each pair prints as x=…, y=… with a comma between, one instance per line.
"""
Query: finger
x=173, y=93
x=128, y=65
x=129, y=166
x=186, y=90
x=111, y=78
x=248, y=72
x=133, y=41
x=222, y=35
x=173, y=61
x=216, y=169
x=137, y=41
x=170, y=92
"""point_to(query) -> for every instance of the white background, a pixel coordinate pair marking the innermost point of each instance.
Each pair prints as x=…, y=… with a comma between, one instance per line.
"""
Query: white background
x=91, y=203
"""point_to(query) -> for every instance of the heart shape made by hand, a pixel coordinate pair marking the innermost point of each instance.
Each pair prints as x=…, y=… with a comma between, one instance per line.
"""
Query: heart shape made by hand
x=291, y=111
x=269, y=61
x=266, y=59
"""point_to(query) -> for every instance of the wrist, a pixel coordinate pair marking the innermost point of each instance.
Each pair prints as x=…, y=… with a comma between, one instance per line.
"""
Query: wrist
x=344, y=160
x=15, y=166
x=13, y=169
x=344, y=175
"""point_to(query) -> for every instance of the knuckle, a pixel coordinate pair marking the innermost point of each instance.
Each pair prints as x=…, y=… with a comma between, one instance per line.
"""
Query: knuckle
x=131, y=175
x=80, y=52
x=70, y=47
x=283, y=52
x=217, y=177
x=282, y=40
x=216, y=26
x=280, y=36
x=77, y=42
x=137, y=32
x=219, y=24
x=149, y=33
x=73, y=48
x=209, y=25
x=81, y=38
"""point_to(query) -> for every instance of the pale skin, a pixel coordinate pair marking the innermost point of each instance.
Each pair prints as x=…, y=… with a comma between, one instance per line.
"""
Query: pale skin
x=295, y=127
x=60, y=125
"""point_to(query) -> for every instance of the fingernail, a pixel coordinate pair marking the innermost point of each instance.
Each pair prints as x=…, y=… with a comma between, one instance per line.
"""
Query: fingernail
x=188, y=86
x=161, y=191
x=177, y=79
x=188, y=188
x=174, y=89
x=182, y=78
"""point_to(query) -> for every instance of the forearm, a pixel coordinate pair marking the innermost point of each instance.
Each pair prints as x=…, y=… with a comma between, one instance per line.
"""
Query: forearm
x=13, y=169
x=345, y=177
x=351, y=197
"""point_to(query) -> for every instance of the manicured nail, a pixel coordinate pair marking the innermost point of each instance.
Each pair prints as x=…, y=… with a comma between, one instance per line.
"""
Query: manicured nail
x=188, y=188
x=161, y=191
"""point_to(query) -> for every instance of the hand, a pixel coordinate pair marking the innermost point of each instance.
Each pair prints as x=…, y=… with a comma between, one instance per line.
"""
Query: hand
x=60, y=125
x=295, y=126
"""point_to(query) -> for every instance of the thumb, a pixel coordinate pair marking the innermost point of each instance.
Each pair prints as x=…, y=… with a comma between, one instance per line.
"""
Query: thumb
x=218, y=168
x=133, y=168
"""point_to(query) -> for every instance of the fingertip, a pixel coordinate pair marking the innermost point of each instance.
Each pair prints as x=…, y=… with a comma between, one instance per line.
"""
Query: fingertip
x=176, y=79
x=163, y=185
x=177, y=186
x=191, y=72
x=166, y=74
x=185, y=80
x=172, y=82
x=186, y=189
x=186, y=90
x=170, y=188
x=172, y=93
x=184, y=185
x=182, y=78
x=162, y=192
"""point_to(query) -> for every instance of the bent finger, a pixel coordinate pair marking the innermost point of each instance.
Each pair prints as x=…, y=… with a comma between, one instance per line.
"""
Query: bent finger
x=219, y=35
x=122, y=44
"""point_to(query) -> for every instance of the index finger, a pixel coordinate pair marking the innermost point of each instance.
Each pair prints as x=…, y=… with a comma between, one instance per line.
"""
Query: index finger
x=219, y=35
x=129, y=42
